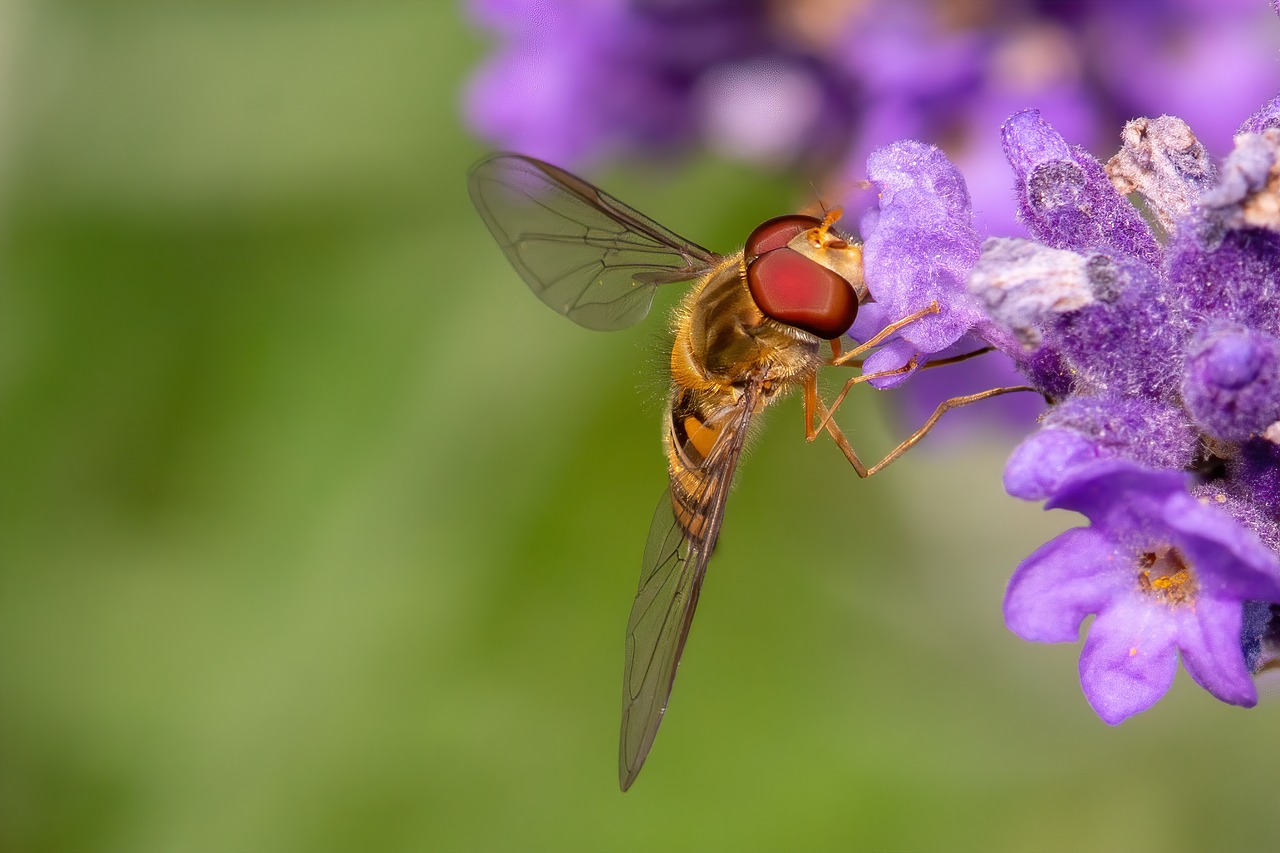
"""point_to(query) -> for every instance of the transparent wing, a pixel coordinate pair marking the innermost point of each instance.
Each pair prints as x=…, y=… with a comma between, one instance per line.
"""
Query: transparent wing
x=675, y=562
x=583, y=252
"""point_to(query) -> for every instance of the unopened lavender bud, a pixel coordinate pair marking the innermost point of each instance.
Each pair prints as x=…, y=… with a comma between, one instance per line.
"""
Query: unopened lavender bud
x=1232, y=382
x=1064, y=196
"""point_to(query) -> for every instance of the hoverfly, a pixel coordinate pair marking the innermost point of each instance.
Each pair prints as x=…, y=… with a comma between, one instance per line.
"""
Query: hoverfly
x=750, y=329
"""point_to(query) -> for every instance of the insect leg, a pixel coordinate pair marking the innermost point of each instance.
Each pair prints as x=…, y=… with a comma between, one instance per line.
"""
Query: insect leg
x=939, y=362
x=811, y=431
x=859, y=467
x=848, y=386
x=956, y=359
x=943, y=407
x=813, y=405
x=874, y=341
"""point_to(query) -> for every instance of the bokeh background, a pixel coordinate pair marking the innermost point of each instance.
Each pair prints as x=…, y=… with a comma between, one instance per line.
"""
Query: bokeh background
x=319, y=532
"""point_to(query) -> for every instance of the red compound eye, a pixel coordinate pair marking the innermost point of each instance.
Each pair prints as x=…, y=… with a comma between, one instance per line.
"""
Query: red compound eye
x=776, y=233
x=795, y=290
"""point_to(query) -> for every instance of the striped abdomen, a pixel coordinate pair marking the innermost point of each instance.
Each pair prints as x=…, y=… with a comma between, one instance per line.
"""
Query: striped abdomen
x=703, y=443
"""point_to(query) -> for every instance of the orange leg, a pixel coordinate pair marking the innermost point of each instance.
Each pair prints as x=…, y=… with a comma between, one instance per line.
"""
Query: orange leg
x=945, y=406
x=814, y=407
x=848, y=386
x=941, y=362
x=907, y=368
x=888, y=330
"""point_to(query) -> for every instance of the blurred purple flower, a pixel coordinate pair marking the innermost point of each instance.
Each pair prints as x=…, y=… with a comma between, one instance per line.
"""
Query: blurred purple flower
x=1207, y=61
x=579, y=80
x=787, y=81
x=1165, y=574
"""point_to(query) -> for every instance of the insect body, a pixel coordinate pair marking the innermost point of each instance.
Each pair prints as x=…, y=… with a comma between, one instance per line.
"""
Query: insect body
x=749, y=329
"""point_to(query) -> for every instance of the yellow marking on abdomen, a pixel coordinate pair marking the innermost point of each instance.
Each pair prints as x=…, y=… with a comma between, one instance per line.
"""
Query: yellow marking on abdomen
x=701, y=436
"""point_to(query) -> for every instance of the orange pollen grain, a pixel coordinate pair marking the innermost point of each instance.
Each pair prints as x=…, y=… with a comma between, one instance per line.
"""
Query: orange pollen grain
x=1166, y=576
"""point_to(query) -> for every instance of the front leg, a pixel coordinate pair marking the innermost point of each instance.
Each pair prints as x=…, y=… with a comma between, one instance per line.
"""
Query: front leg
x=879, y=337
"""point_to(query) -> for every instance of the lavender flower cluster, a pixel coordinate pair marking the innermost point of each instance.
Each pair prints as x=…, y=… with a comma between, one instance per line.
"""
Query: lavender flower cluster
x=1153, y=331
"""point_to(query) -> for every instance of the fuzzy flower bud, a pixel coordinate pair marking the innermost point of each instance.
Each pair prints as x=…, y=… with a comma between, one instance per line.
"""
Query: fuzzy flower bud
x=1147, y=431
x=1232, y=382
x=1064, y=196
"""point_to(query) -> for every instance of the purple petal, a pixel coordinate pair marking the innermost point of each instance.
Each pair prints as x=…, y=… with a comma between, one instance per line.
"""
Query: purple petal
x=1066, y=579
x=1112, y=492
x=1040, y=463
x=872, y=317
x=920, y=243
x=1229, y=559
x=1209, y=638
x=890, y=356
x=1129, y=659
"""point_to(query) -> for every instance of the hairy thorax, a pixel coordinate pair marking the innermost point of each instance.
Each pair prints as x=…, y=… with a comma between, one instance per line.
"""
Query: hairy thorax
x=723, y=340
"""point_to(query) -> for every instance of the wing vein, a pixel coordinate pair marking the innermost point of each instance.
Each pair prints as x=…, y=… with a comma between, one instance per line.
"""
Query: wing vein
x=581, y=251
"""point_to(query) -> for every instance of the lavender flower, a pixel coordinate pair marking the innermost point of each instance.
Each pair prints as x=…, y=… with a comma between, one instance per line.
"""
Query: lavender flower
x=821, y=84
x=1165, y=574
x=1154, y=338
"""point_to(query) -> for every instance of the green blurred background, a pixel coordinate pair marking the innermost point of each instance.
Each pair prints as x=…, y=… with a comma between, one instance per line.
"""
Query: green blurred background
x=320, y=533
